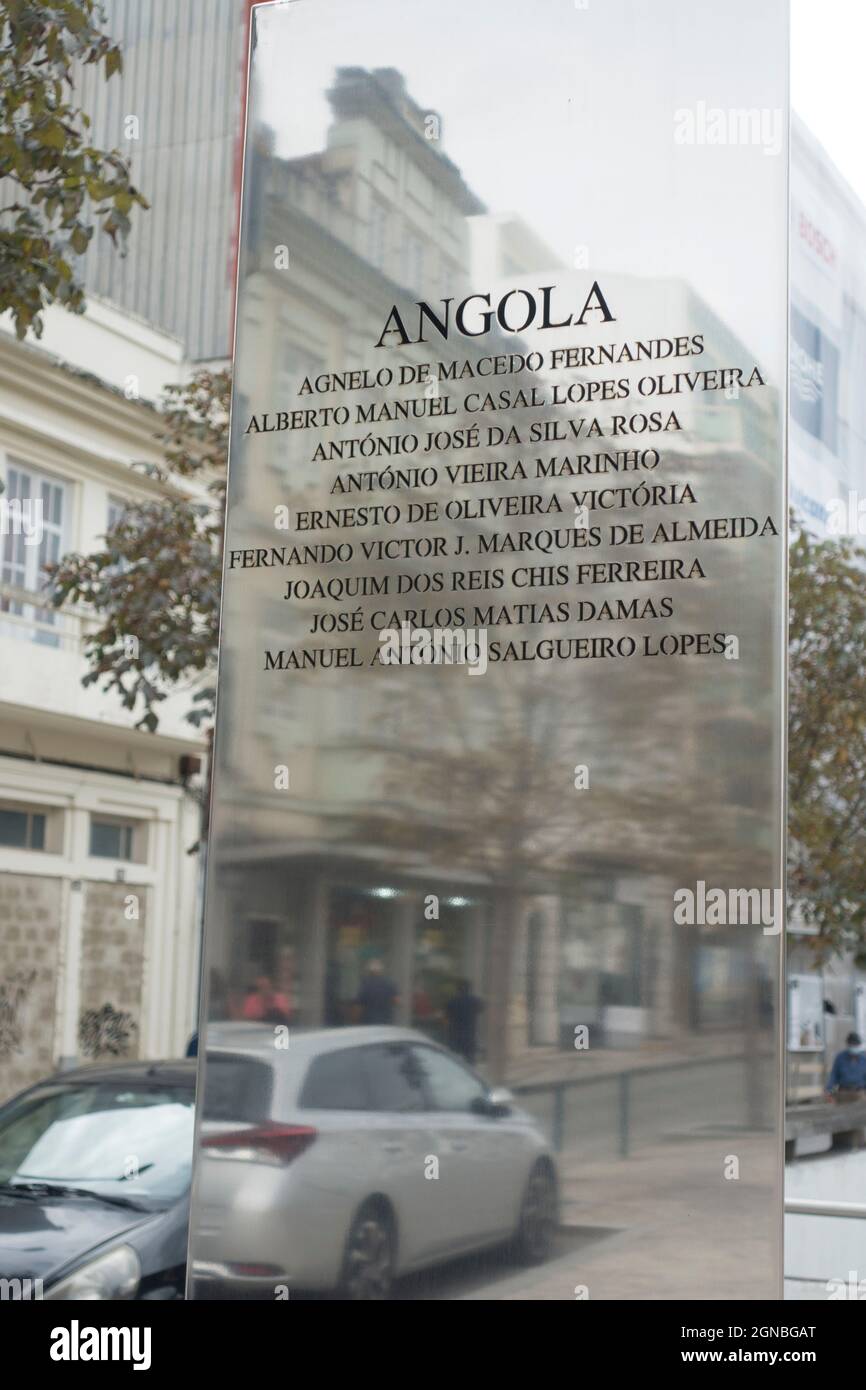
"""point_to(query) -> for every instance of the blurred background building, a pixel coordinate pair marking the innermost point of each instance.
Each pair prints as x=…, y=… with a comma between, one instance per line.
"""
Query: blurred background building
x=827, y=466
x=176, y=114
x=314, y=886
x=99, y=821
x=98, y=888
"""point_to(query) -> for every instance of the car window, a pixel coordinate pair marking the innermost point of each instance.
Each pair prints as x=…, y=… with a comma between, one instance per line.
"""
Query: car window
x=449, y=1085
x=238, y=1088
x=394, y=1078
x=125, y=1140
x=336, y=1081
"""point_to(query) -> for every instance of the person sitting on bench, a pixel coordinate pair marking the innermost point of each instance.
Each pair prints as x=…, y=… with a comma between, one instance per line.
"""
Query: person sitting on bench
x=847, y=1080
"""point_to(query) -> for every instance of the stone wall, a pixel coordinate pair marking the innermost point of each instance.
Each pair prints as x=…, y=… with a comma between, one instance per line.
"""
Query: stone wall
x=30, y=912
x=112, y=971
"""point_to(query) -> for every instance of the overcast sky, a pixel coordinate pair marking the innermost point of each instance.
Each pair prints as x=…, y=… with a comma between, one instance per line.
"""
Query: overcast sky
x=828, y=83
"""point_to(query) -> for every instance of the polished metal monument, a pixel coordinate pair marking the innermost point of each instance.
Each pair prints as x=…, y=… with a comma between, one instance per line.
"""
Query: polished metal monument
x=493, y=913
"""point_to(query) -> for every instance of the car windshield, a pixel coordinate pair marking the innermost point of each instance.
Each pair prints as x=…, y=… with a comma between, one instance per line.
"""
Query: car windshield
x=116, y=1141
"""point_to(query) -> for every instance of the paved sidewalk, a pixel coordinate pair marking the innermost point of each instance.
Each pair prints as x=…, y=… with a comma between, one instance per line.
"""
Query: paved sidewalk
x=667, y=1225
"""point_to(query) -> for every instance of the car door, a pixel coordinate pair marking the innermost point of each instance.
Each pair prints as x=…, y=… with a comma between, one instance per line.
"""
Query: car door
x=400, y=1125
x=473, y=1173
x=346, y=1160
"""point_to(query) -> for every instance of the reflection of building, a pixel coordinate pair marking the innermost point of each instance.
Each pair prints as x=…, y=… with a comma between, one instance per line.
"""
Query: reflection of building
x=504, y=249
x=827, y=453
x=98, y=935
x=394, y=841
x=406, y=203
x=381, y=210
x=432, y=819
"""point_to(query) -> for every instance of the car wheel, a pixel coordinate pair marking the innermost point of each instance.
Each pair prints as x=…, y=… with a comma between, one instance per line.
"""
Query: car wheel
x=535, y=1229
x=368, y=1264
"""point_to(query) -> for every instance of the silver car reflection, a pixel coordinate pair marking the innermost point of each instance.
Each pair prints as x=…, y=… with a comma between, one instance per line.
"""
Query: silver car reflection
x=355, y=1156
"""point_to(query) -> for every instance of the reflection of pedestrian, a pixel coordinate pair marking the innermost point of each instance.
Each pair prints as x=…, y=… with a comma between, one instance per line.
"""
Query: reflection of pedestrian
x=462, y=1011
x=422, y=1009
x=264, y=1004
x=377, y=995
x=333, y=1011
x=847, y=1079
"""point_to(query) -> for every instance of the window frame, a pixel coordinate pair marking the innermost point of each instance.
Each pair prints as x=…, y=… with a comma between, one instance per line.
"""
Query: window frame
x=52, y=815
x=434, y=1109
x=28, y=571
x=135, y=830
x=30, y=815
x=367, y=1049
x=365, y=1095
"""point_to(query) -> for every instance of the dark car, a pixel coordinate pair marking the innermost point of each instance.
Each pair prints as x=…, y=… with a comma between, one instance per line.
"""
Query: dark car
x=95, y=1171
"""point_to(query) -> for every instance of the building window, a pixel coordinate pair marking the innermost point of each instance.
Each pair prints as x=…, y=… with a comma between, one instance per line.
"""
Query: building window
x=413, y=254
x=298, y=361
x=27, y=551
x=111, y=839
x=116, y=507
x=390, y=156
x=293, y=461
x=21, y=829
x=378, y=233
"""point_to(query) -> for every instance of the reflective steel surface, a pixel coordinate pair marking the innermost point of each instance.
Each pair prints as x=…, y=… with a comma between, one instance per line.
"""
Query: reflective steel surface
x=492, y=944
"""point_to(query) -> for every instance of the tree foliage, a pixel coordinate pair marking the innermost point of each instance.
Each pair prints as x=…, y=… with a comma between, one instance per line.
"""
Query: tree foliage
x=61, y=185
x=827, y=741
x=155, y=584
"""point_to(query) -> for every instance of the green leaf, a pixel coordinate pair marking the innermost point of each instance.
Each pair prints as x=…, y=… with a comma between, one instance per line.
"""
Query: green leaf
x=79, y=240
x=51, y=136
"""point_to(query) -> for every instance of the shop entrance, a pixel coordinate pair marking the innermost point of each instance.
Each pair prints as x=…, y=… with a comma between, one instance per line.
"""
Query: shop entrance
x=443, y=957
x=360, y=932
x=265, y=971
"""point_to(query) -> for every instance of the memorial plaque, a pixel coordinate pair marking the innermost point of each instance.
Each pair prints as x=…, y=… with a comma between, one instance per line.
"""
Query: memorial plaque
x=494, y=911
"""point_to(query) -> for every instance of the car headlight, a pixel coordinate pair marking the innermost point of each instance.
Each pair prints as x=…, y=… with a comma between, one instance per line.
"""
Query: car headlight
x=114, y=1275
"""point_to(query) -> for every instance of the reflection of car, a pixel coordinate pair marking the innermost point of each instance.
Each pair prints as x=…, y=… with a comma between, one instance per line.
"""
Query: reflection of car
x=352, y=1157
x=94, y=1183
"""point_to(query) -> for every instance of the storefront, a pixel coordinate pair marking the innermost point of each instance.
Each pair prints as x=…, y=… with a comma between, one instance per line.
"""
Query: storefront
x=446, y=952
x=601, y=951
x=362, y=927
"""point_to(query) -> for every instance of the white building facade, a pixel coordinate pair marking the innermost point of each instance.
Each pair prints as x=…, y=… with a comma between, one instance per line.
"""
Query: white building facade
x=99, y=821
x=827, y=477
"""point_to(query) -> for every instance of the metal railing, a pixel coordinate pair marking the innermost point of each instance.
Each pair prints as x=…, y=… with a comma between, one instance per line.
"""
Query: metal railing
x=625, y=1094
x=796, y=1206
